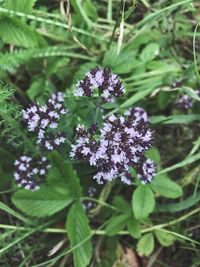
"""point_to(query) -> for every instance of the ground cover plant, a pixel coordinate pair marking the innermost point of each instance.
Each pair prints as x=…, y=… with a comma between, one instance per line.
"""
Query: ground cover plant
x=99, y=126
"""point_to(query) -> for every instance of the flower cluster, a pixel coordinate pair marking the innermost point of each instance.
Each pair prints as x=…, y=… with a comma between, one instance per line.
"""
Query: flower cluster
x=146, y=170
x=108, y=84
x=137, y=113
x=89, y=204
x=41, y=119
x=119, y=145
x=28, y=172
x=185, y=101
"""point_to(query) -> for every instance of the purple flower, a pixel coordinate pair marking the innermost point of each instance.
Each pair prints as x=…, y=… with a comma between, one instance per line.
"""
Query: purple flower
x=29, y=171
x=146, y=171
x=113, y=149
x=138, y=114
x=41, y=119
x=108, y=84
x=197, y=92
x=184, y=102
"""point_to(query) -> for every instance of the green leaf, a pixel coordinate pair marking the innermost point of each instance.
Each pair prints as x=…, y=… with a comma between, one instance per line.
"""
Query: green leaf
x=90, y=9
x=63, y=173
x=109, y=105
x=176, y=207
x=79, y=234
x=190, y=92
x=45, y=202
x=149, y=52
x=145, y=245
x=136, y=97
x=121, y=204
x=175, y=119
x=116, y=224
x=25, y=6
x=153, y=154
x=12, y=212
x=142, y=202
x=134, y=228
x=166, y=187
x=15, y=32
x=165, y=239
x=36, y=88
x=120, y=64
x=163, y=99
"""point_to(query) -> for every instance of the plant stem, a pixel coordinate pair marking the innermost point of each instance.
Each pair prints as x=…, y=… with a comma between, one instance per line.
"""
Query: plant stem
x=102, y=232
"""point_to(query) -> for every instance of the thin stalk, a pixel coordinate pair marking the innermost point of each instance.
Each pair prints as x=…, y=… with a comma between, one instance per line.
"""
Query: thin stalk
x=103, y=232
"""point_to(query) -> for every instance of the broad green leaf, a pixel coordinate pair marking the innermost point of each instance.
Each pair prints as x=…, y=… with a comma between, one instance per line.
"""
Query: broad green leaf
x=45, y=202
x=116, y=224
x=163, y=99
x=15, y=32
x=121, y=204
x=165, y=239
x=120, y=64
x=142, y=202
x=145, y=245
x=79, y=234
x=25, y=6
x=62, y=173
x=36, y=88
x=153, y=154
x=149, y=52
x=134, y=228
x=166, y=187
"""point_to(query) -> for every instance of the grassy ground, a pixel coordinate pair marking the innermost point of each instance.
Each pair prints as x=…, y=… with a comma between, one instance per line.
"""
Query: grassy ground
x=47, y=46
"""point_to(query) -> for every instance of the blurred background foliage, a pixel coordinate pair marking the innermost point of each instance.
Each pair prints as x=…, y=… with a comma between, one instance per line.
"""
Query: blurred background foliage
x=47, y=46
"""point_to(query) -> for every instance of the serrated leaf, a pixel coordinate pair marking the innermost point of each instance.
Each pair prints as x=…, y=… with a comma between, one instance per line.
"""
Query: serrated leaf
x=145, y=245
x=134, y=228
x=116, y=224
x=120, y=64
x=62, y=172
x=165, y=239
x=15, y=32
x=20, y=5
x=79, y=234
x=45, y=202
x=142, y=202
x=36, y=88
x=166, y=187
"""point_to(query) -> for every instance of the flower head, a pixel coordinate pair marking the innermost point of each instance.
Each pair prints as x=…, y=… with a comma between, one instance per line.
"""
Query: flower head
x=146, y=171
x=29, y=171
x=108, y=84
x=138, y=114
x=184, y=102
x=41, y=119
x=113, y=149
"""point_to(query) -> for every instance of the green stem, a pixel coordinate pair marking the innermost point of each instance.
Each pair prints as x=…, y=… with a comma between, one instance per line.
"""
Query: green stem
x=101, y=202
x=103, y=232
